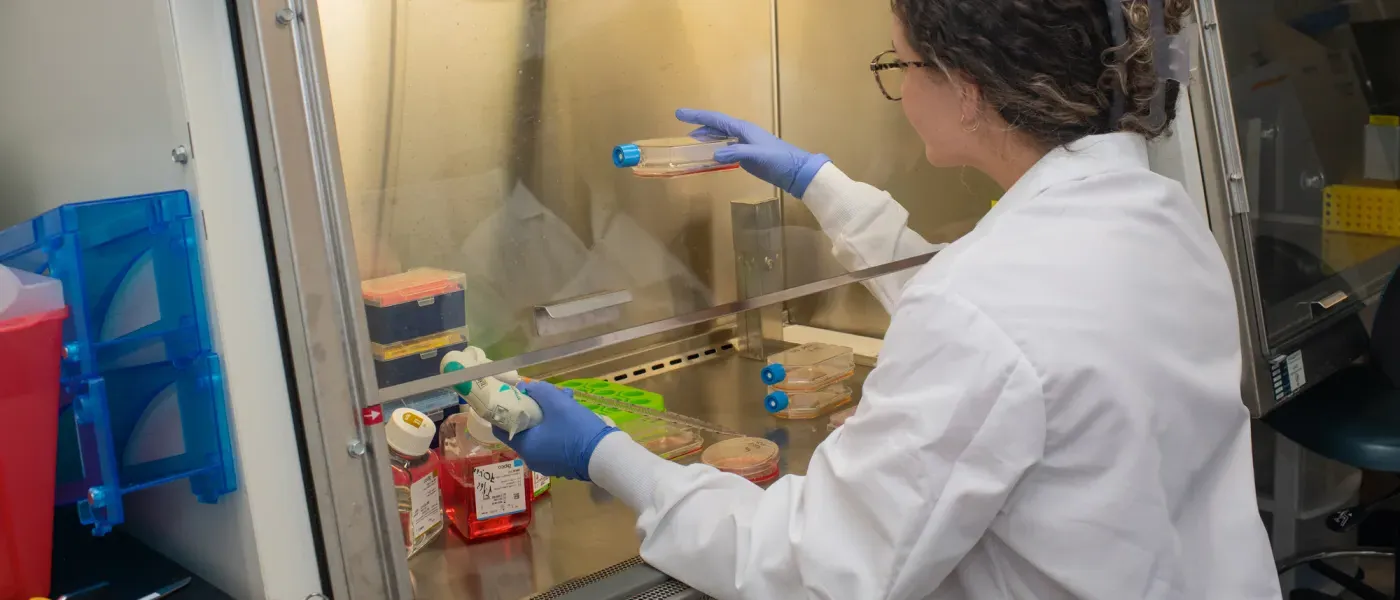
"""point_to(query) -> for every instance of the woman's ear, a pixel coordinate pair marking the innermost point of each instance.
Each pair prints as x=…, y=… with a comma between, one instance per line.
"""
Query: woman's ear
x=970, y=102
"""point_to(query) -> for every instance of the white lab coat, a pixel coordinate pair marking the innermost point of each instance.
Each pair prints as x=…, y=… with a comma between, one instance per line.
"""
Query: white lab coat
x=1056, y=414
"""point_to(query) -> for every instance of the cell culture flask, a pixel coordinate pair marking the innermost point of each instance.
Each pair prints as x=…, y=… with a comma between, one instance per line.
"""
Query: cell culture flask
x=809, y=367
x=807, y=404
x=672, y=157
x=840, y=418
x=488, y=490
x=416, y=481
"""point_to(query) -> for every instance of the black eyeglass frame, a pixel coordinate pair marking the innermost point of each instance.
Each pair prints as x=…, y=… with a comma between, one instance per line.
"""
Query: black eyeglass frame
x=876, y=67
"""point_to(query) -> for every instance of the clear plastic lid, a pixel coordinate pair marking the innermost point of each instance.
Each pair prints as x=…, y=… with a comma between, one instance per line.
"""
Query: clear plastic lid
x=411, y=285
x=429, y=403
x=839, y=419
x=388, y=352
x=663, y=439
x=754, y=459
x=809, y=367
x=807, y=404
x=23, y=294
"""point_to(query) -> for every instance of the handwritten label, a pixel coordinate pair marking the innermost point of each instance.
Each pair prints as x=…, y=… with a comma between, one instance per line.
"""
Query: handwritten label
x=500, y=489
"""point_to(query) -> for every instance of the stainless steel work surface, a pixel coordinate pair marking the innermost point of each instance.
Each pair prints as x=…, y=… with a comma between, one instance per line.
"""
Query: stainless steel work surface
x=579, y=528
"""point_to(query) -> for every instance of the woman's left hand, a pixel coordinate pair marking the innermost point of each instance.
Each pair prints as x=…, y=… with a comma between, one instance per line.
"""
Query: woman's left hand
x=759, y=152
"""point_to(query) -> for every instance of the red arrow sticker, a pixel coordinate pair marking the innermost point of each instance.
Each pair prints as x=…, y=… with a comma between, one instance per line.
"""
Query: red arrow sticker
x=372, y=415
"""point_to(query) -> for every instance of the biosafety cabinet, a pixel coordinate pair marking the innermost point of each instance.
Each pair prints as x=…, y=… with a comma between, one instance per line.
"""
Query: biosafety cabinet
x=476, y=138
x=369, y=171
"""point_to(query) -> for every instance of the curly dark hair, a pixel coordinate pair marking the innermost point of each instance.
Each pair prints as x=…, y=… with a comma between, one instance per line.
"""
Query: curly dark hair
x=1048, y=67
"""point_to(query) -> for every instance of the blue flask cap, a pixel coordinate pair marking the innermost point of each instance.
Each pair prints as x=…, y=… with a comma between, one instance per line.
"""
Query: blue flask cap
x=776, y=402
x=773, y=374
x=627, y=155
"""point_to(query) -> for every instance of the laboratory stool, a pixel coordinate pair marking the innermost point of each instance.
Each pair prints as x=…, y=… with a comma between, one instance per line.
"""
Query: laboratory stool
x=1353, y=417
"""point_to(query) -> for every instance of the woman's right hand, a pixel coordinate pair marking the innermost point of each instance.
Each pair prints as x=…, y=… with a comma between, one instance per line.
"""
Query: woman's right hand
x=759, y=152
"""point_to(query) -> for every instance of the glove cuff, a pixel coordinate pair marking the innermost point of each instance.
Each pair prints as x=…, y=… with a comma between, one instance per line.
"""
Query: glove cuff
x=806, y=173
x=586, y=453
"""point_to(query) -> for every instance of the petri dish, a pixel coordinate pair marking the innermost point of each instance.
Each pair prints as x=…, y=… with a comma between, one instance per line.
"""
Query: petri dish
x=664, y=439
x=839, y=419
x=807, y=404
x=754, y=459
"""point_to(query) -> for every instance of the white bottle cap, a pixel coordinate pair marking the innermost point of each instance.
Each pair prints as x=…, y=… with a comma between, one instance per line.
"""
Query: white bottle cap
x=480, y=429
x=410, y=432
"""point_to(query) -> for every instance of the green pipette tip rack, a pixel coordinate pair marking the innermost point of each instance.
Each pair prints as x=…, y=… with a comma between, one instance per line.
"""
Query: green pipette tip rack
x=616, y=391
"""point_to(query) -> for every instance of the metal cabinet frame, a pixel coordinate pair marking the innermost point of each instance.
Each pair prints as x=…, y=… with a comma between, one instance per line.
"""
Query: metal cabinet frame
x=304, y=191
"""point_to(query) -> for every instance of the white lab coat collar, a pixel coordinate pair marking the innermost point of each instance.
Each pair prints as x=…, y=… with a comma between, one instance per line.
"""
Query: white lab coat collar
x=1089, y=156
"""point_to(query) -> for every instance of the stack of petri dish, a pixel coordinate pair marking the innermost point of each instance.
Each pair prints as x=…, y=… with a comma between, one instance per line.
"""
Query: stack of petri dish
x=808, y=381
x=667, y=440
x=754, y=459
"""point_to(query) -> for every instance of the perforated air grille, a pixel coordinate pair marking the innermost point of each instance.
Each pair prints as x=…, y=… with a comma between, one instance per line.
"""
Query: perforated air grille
x=671, y=363
x=575, y=584
x=669, y=590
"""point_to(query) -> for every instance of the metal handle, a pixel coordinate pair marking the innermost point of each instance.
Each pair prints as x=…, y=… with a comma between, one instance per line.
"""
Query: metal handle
x=580, y=313
x=582, y=305
x=1330, y=302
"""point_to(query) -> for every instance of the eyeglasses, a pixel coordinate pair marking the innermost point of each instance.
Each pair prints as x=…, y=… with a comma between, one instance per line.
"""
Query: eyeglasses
x=889, y=72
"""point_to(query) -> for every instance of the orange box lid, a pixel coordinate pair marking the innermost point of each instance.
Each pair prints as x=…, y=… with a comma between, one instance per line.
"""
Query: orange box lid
x=411, y=285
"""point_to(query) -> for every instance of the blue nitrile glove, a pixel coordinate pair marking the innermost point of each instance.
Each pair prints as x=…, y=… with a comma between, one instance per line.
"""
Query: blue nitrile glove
x=562, y=444
x=761, y=153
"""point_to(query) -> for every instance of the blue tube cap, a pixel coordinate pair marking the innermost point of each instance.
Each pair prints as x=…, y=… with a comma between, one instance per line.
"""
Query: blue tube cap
x=773, y=374
x=776, y=402
x=627, y=155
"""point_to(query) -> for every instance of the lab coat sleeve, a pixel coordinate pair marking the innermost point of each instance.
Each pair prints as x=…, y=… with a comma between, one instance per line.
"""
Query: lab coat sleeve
x=892, y=501
x=867, y=228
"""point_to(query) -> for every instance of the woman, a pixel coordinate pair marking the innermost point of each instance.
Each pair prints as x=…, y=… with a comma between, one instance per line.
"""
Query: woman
x=1056, y=412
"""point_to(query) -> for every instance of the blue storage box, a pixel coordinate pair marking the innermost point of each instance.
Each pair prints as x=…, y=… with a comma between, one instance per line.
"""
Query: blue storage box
x=415, y=359
x=142, y=390
x=131, y=278
x=142, y=427
x=413, y=304
x=437, y=404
